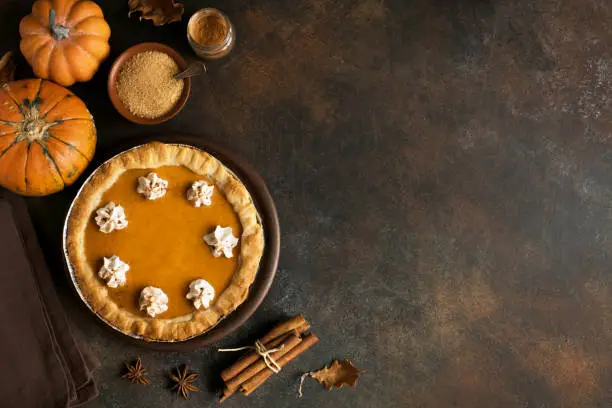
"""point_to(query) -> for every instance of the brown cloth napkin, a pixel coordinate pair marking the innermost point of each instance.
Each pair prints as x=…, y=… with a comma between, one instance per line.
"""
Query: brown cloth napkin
x=42, y=365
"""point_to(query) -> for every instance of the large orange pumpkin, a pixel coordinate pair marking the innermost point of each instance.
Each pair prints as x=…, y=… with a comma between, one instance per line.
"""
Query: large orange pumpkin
x=65, y=40
x=47, y=137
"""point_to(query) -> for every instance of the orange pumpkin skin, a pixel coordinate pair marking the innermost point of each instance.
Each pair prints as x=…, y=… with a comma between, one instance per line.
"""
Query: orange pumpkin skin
x=47, y=137
x=64, y=40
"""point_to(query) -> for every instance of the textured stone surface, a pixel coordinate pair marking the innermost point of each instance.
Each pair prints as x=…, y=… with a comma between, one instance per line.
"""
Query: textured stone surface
x=441, y=171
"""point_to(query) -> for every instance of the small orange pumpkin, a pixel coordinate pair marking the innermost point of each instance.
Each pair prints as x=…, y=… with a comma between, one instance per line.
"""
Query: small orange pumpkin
x=47, y=137
x=65, y=40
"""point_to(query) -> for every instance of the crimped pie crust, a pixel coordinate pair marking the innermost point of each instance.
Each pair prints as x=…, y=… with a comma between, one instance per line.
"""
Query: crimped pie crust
x=93, y=289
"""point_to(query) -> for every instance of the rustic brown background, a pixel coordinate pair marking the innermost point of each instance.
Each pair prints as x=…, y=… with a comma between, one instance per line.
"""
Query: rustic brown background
x=443, y=179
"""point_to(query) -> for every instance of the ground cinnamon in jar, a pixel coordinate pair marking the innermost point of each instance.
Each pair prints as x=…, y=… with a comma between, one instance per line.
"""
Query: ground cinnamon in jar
x=209, y=30
x=210, y=33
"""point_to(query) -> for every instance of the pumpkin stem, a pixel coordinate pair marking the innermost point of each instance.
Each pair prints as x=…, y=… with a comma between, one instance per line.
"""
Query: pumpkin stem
x=59, y=32
x=34, y=129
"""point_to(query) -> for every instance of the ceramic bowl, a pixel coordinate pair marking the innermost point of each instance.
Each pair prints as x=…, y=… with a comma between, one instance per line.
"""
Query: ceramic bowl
x=114, y=72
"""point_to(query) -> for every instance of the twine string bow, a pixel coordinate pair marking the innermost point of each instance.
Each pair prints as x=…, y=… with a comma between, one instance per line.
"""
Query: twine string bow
x=260, y=349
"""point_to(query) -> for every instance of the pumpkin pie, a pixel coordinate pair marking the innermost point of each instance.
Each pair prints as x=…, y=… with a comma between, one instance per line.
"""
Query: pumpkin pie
x=164, y=241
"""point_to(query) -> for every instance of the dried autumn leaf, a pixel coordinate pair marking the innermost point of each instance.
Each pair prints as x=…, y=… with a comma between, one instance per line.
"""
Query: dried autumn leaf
x=159, y=11
x=7, y=68
x=338, y=374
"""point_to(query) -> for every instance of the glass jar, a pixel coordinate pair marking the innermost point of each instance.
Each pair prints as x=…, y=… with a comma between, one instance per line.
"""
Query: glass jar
x=210, y=33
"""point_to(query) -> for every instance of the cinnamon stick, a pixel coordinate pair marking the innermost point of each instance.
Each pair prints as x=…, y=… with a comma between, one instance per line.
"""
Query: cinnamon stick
x=255, y=368
x=251, y=385
x=226, y=394
x=252, y=357
x=292, y=340
x=297, y=323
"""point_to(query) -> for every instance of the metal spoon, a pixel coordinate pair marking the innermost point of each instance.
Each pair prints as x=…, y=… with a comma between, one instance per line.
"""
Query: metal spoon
x=192, y=70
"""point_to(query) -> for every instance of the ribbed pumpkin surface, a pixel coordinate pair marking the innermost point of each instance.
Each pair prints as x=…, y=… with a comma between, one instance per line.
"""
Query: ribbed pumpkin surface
x=65, y=40
x=47, y=137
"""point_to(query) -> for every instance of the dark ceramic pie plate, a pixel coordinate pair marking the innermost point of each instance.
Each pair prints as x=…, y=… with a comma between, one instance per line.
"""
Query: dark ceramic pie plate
x=269, y=217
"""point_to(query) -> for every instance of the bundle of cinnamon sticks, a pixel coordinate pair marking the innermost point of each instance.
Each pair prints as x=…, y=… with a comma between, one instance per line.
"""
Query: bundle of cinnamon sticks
x=251, y=371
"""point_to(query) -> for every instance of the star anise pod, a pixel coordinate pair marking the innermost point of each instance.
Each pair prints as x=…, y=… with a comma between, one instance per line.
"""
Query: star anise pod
x=135, y=373
x=184, y=382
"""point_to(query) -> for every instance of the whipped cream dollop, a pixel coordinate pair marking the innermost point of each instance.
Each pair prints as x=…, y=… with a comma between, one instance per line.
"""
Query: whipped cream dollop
x=152, y=186
x=222, y=241
x=200, y=193
x=202, y=293
x=111, y=217
x=114, y=271
x=153, y=301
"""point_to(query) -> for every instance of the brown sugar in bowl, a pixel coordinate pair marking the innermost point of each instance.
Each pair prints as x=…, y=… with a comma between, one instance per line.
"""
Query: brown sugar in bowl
x=114, y=73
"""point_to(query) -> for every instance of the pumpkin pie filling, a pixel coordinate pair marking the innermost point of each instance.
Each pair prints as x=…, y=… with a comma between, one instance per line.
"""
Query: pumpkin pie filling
x=163, y=242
